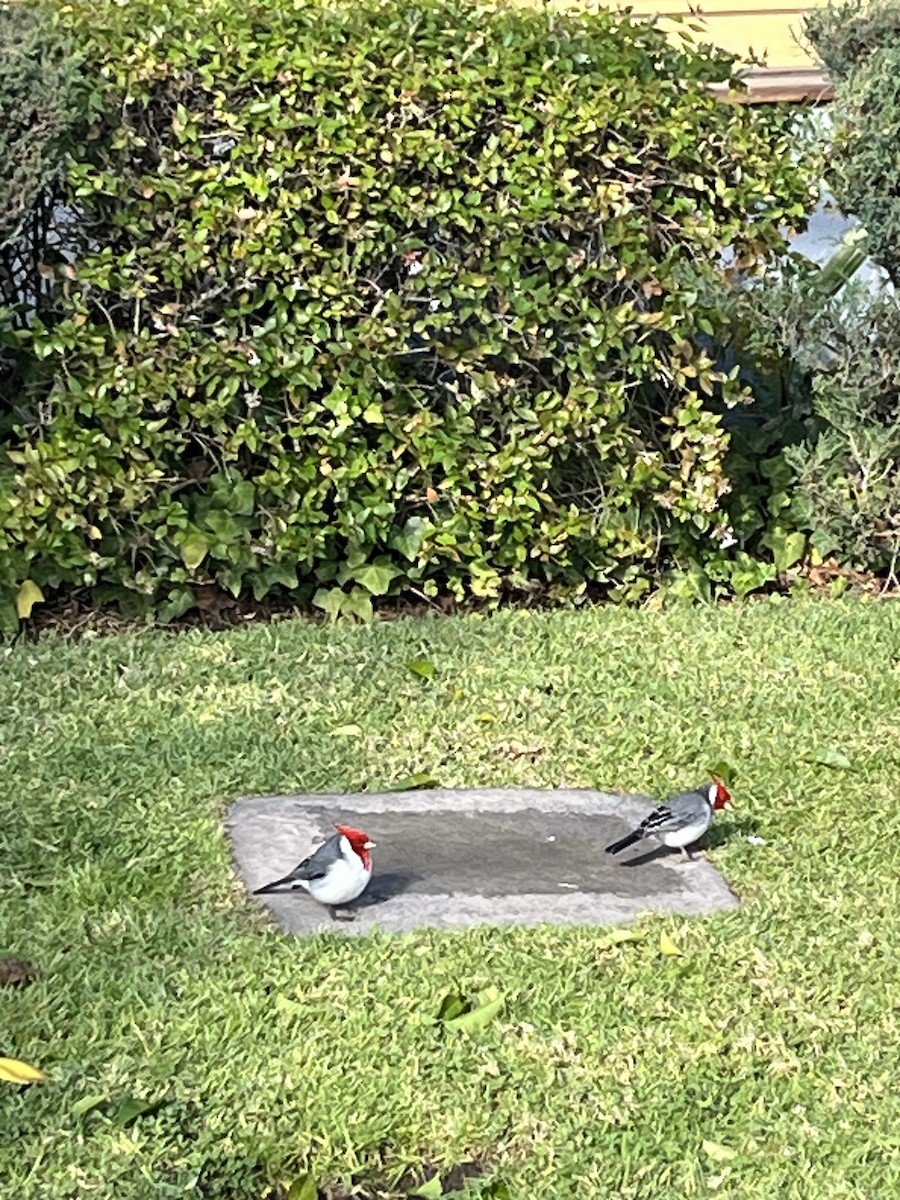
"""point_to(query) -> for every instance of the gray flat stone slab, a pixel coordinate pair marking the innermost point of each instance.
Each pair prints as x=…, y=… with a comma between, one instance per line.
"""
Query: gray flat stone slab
x=457, y=858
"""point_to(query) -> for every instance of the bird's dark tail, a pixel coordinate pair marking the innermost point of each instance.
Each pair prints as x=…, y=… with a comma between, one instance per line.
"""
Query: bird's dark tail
x=625, y=842
x=287, y=884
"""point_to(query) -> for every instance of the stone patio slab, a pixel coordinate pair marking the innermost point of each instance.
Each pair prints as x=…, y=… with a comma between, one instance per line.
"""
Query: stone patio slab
x=457, y=858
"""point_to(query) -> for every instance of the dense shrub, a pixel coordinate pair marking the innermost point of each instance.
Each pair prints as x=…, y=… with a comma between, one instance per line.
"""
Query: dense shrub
x=820, y=445
x=35, y=114
x=845, y=34
x=860, y=44
x=848, y=478
x=379, y=295
x=35, y=80
x=847, y=357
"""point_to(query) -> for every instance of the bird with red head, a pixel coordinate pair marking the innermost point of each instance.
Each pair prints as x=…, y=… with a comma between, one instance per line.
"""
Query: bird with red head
x=681, y=820
x=335, y=875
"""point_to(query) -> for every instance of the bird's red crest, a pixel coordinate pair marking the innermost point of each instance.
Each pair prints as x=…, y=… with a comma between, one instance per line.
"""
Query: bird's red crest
x=723, y=796
x=361, y=842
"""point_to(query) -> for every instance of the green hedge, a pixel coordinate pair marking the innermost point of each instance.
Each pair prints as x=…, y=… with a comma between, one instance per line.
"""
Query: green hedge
x=378, y=296
x=860, y=43
x=35, y=115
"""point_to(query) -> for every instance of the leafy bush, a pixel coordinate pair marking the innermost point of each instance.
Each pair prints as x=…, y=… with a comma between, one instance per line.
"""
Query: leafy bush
x=35, y=81
x=35, y=113
x=818, y=449
x=377, y=296
x=845, y=34
x=847, y=477
x=860, y=44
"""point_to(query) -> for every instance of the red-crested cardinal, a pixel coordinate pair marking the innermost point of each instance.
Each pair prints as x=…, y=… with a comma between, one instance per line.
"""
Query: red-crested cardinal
x=680, y=821
x=335, y=874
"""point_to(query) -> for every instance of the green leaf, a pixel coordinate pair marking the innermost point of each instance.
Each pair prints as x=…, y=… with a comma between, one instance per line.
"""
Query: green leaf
x=347, y=731
x=668, y=947
x=717, y=1152
x=830, y=757
x=724, y=771
x=791, y=551
x=430, y=1190
x=179, y=601
x=129, y=1109
x=484, y=1008
x=618, y=937
x=375, y=579
x=421, y=667
x=411, y=783
x=303, y=1188
x=359, y=605
x=194, y=548
x=87, y=1104
x=497, y=1190
x=243, y=496
x=283, y=573
x=452, y=1005
x=787, y=548
x=409, y=542
x=749, y=575
x=28, y=595
x=331, y=600
x=232, y=580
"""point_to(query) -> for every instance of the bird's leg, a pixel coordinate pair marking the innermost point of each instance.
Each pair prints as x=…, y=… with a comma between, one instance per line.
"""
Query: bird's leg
x=334, y=914
x=686, y=854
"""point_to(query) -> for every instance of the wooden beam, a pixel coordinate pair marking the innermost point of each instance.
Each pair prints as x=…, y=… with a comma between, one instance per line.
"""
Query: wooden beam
x=768, y=85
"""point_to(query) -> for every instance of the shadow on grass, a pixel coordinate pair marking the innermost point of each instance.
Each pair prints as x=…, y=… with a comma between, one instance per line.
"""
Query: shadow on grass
x=362, y=1187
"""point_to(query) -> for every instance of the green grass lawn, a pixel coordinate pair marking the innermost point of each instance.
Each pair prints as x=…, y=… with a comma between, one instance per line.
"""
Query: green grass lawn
x=763, y=1063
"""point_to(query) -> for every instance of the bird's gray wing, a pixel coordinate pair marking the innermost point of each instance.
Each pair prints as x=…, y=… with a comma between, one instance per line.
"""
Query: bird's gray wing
x=317, y=864
x=682, y=810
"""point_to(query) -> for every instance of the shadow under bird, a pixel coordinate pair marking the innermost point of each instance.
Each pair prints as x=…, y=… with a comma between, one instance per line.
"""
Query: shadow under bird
x=336, y=874
x=681, y=820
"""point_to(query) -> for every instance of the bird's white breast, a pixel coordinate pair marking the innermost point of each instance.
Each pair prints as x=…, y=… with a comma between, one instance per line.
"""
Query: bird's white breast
x=677, y=838
x=346, y=879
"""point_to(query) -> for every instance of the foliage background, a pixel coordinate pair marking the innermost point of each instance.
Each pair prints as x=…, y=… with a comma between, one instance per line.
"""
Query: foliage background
x=372, y=298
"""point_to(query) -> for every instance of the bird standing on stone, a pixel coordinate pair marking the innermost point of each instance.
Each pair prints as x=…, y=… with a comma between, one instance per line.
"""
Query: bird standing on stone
x=335, y=874
x=681, y=820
